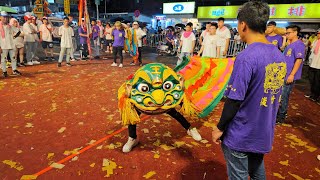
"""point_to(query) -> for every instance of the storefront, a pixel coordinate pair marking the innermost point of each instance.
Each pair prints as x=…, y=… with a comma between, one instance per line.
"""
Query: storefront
x=175, y=13
x=284, y=14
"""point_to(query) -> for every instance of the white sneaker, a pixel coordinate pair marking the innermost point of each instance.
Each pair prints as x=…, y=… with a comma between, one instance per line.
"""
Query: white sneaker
x=120, y=65
x=107, y=51
x=114, y=64
x=35, y=62
x=194, y=134
x=30, y=63
x=129, y=145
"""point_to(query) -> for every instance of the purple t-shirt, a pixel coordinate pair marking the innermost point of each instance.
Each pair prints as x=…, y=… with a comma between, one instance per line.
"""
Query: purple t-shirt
x=276, y=40
x=256, y=80
x=95, y=31
x=83, y=40
x=118, y=38
x=293, y=52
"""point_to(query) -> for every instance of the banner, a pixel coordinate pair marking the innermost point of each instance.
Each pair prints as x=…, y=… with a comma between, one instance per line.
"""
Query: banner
x=66, y=6
x=277, y=11
x=179, y=8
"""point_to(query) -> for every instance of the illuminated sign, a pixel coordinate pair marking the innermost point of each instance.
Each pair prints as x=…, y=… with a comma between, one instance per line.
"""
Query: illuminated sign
x=277, y=11
x=179, y=8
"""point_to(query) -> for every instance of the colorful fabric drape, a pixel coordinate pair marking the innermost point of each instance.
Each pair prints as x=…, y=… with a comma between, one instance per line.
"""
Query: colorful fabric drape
x=205, y=80
x=131, y=44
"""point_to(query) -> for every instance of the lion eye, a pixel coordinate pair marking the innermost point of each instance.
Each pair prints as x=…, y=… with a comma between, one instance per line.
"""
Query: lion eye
x=167, y=85
x=143, y=88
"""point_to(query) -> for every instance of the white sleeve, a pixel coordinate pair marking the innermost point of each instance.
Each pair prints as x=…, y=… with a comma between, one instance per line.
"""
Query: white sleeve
x=72, y=32
x=228, y=34
x=193, y=37
x=60, y=31
x=26, y=29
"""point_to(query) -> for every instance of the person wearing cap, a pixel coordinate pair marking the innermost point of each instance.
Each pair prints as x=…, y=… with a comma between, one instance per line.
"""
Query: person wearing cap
x=95, y=37
x=7, y=45
x=294, y=54
x=118, y=35
x=314, y=70
x=29, y=39
x=46, y=38
x=66, y=33
x=272, y=37
x=83, y=40
x=18, y=40
x=140, y=34
x=101, y=34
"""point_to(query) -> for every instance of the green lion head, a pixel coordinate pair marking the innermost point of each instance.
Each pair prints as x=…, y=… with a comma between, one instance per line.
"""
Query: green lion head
x=155, y=88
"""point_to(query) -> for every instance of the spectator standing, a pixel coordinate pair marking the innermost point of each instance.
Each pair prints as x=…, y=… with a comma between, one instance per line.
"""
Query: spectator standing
x=66, y=33
x=95, y=38
x=83, y=41
x=118, y=35
x=211, y=43
x=18, y=41
x=205, y=32
x=140, y=35
x=46, y=38
x=224, y=33
x=272, y=37
x=101, y=34
x=30, y=42
x=107, y=32
x=187, y=43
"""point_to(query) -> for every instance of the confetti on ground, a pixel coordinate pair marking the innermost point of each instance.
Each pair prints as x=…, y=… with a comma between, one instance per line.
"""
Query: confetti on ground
x=57, y=165
x=19, y=151
x=108, y=166
x=50, y=156
x=295, y=141
x=29, y=125
x=146, y=131
x=53, y=107
x=28, y=177
x=75, y=158
x=92, y=165
x=99, y=147
x=149, y=174
x=210, y=125
x=166, y=147
x=91, y=142
x=285, y=163
x=167, y=134
x=297, y=177
x=179, y=143
x=29, y=115
x=80, y=123
x=13, y=164
x=318, y=157
x=278, y=175
x=61, y=130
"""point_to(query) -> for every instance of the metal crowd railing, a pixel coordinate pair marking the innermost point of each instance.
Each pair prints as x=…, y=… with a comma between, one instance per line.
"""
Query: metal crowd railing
x=235, y=47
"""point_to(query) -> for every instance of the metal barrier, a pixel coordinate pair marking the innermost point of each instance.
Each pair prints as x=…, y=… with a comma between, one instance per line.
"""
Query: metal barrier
x=153, y=40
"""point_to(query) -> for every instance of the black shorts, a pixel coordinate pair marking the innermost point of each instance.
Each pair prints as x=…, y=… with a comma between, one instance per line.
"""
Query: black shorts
x=109, y=42
x=46, y=44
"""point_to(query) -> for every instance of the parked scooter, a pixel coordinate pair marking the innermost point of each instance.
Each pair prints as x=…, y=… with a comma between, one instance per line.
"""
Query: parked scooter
x=164, y=49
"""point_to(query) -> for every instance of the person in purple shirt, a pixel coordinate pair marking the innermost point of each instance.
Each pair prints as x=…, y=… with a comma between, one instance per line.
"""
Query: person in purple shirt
x=118, y=35
x=246, y=126
x=272, y=37
x=170, y=39
x=95, y=37
x=294, y=54
x=83, y=41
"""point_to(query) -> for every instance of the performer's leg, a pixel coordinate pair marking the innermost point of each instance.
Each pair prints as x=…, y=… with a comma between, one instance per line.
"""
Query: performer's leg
x=186, y=125
x=132, y=140
x=132, y=131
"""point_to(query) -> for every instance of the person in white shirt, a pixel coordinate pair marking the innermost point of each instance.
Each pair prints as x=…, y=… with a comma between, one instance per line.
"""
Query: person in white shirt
x=211, y=44
x=66, y=33
x=314, y=70
x=36, y=37
x=46, y=38
x=140, y=35
x=107, y=32
x=29, y=39
x=224, y=33
x=7, y=45
x=18, y=40
x=205, y=32
x=187, y=43
x=237, y=38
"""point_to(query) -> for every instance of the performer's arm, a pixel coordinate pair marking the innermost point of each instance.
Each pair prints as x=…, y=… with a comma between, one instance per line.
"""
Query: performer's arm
x=200, y=51
x=294, y=70
x=230, y=109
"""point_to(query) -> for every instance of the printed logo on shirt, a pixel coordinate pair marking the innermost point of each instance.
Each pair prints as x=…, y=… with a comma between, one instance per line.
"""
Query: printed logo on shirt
x=274, y=78
x=275, y=42
x=289, y=52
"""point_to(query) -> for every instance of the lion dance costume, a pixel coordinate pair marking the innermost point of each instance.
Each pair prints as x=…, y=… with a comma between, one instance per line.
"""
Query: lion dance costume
x=192, y=89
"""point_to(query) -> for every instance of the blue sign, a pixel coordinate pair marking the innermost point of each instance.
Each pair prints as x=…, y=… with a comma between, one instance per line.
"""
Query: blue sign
x=178, y=8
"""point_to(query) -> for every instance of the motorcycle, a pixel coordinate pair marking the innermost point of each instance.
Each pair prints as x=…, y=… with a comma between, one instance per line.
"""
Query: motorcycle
x=163, y=48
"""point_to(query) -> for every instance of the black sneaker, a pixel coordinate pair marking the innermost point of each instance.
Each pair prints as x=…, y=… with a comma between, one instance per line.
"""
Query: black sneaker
x=19, y=65
x=5, y=74
x=97, y=57
x=279, y=121
x=16, y=72
x=22, y=65
x=307, y=95
x=52, y=59
x=46, y=59
x=59, y=64
x=68, y=64
x=312, y=98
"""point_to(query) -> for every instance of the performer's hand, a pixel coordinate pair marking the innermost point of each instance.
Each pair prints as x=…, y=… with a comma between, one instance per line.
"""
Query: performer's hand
x=216, y=134
x=224, y=52
x=290, y=79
